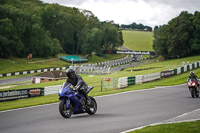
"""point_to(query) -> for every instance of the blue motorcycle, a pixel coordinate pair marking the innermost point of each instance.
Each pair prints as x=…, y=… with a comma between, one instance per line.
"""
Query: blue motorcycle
x=72, y=102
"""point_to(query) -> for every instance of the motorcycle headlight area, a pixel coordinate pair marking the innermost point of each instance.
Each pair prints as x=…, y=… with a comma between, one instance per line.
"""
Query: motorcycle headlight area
x=193, y=84
x=60, y=91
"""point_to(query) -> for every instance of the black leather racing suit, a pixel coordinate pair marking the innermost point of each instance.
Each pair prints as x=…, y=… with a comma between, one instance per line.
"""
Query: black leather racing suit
x=79, y=84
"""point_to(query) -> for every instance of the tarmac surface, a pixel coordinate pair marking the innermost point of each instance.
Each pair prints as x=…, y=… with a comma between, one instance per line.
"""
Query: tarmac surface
x=15, y=80
x=116, y=113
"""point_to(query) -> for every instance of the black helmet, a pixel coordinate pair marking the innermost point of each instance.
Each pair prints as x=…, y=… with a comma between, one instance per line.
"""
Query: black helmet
x=192, y=73
x=70, y=73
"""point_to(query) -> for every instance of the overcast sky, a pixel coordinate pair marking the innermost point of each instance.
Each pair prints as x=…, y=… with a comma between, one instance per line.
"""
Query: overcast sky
x=147, y=12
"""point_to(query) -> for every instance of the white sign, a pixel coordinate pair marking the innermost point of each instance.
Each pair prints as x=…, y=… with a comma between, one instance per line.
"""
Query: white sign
x=138, y=53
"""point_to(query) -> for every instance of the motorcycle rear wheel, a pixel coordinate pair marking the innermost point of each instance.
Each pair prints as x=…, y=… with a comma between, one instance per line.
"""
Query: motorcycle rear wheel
x=65, y=112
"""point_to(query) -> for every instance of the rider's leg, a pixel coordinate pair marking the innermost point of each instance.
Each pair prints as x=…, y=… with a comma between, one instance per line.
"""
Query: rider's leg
x=82, y=91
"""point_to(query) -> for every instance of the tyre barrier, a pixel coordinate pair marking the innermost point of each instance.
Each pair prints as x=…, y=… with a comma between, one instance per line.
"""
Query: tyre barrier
x=139, y=79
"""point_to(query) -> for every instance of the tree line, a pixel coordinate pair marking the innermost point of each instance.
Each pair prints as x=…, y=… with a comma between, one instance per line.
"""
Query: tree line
x=135, y=26
x=31, y=26
x=179, y=38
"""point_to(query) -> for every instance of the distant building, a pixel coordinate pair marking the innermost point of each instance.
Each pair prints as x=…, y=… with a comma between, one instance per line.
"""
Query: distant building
x=49, y=76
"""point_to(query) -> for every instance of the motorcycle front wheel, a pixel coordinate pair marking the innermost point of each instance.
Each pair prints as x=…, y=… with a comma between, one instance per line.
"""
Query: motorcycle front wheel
x=193, y=92
x=65, y=112
x=197, y=93
x=92, y=108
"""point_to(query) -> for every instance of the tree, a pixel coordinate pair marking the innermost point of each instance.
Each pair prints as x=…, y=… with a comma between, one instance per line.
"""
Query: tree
x=66, y=26
x=160, y=42
x=195, y=39
x=156, y=27
x=8, y=38
x=47, y=29
x=135, y=26
x=92, y=42
x=42, y=45
x=112, y=37
x=173, y=40
x=180, y=31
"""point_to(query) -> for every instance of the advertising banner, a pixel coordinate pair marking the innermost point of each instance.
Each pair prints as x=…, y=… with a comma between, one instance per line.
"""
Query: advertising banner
x=167, y=73
x=19, y=94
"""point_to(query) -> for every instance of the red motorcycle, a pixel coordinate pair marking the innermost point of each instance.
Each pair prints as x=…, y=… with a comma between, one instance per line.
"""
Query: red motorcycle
x=193, y=87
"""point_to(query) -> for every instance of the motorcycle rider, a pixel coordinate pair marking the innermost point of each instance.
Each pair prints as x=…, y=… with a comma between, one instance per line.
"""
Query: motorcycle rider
x=78, y=83
x=193, y=76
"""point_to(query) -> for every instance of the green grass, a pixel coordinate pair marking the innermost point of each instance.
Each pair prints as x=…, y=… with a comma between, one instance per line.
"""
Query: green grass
x=138, y=40
x=184, y=127
x=17, y=64
x=28, y=102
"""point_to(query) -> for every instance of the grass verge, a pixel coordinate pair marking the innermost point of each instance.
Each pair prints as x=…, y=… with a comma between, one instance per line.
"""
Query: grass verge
x=184, y=127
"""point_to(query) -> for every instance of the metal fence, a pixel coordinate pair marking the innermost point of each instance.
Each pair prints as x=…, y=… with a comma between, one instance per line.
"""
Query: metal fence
x=108, y=83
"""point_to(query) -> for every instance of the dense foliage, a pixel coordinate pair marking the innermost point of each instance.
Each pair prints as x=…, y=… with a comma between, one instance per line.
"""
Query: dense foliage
x=31, y=26
x=135, y=26
x=179, y=38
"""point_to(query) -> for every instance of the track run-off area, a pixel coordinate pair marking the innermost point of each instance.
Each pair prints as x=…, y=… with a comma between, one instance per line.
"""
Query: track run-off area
x=116, y=113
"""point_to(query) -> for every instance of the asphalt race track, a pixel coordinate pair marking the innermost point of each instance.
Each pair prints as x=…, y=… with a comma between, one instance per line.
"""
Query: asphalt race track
x=15, y=80
x=116, y=113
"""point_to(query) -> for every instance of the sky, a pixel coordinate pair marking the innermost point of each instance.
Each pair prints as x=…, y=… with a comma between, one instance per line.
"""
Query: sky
x=146, y=12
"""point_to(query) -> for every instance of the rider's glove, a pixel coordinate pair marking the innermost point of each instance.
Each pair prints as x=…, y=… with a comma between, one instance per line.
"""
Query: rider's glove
x=76, y=87
x=73, y=89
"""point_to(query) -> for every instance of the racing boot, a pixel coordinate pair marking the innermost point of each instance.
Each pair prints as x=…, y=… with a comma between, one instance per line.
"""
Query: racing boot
x=88, y=101
x=83, y=103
